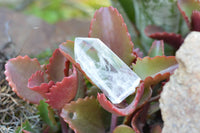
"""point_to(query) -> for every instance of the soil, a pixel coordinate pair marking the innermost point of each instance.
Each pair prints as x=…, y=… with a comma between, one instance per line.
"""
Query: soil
x=13, y=110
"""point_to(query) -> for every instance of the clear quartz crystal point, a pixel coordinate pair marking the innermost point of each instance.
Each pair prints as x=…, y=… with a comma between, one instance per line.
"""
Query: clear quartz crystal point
x=105, y=69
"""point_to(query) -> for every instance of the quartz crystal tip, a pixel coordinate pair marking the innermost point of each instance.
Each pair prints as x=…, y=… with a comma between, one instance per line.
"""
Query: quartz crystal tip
x=105, y=69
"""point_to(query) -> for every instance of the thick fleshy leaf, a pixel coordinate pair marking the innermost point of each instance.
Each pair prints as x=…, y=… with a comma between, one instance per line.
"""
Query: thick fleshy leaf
x=155, y=32
x=124, y=8
x=18, y=71
x=67, y=49
x=157, y=48
x=139, y=119
x=67, y=68
x=186, y=8
x=85, y=116
x=108, y=25
x=149, y=81
x=63, y=92
x=81, y=86
x=123, y=129
x=56, y=66
x=145, y=98
x=106, y=104
x=36, y=79
x=154, y=107
x=152, y=66
x=47, y=115
x=37, y=83
x=152, y=29
x=195, y=21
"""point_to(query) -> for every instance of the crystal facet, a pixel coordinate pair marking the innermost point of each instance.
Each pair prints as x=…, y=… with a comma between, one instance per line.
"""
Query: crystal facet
x=105, y=69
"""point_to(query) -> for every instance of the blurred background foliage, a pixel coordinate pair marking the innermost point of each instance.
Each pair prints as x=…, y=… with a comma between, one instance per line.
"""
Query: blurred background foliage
x=137, y=15
x=53, y=11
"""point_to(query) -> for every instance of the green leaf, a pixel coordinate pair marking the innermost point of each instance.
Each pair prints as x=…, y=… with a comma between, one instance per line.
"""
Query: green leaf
x=157, y=49
x=81, y=86
x=123, y=129
x=128, y=8
x=152, y=66
x=154, y=107
x=47, y=115
x=187, y=6
x=162, y=13
x=85, y=116
x=93, y=91
x=25, y=126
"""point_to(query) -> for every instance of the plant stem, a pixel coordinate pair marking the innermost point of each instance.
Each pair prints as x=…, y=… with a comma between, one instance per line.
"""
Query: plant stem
x=64, y=127
x=113, y=123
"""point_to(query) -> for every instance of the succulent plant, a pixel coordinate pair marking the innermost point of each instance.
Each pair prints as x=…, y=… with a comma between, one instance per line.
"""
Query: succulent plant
x=78, y=104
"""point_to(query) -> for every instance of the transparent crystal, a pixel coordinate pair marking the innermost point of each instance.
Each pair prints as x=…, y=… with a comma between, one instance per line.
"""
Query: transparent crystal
x=105, y=69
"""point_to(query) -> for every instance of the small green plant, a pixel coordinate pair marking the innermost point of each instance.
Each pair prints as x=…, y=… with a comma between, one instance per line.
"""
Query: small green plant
x=71, y=103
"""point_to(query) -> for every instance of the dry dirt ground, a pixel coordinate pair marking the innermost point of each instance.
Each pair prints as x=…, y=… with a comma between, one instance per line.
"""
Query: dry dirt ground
x=13, y=110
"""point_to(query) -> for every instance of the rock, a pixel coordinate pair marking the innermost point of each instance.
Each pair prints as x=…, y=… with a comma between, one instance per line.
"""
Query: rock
x=29, y=35
x=105, y=69
x=180, y=99
x=72, y=28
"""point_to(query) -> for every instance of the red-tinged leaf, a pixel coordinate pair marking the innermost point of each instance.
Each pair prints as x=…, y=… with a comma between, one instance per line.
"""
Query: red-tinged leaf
x=123, y=129
x=195, y=22
x=152, y=66
x=18, y=71
x=145, y=99
x=85, y=116
x=186, y=8
x=67, y=68
x=149, y=81
x=108, y=25
x=36, y=79
x=152, y=29
x=107, y=105
x=139, y=119
x=157, y=48
x=47, y=116
x=37, y=83
x=175, y=40
x=56, y=66
x=67, y=49
x=63, y=92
